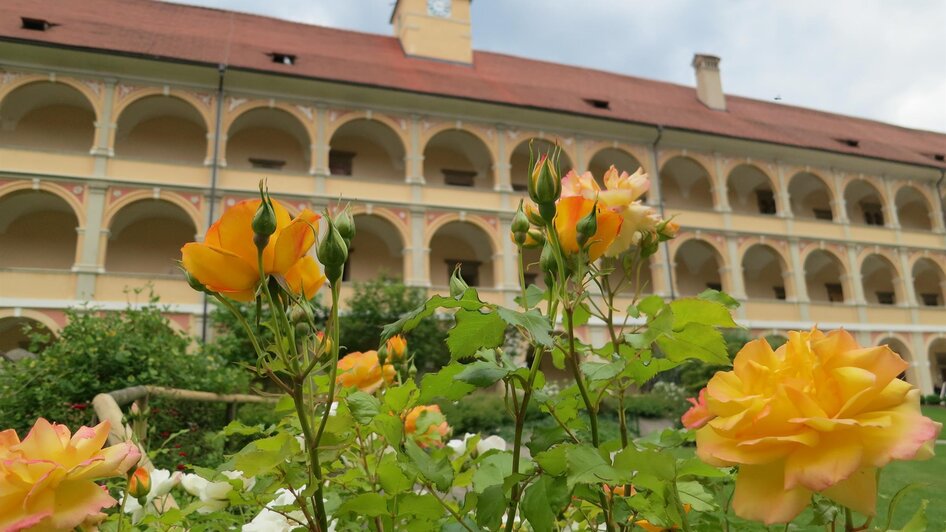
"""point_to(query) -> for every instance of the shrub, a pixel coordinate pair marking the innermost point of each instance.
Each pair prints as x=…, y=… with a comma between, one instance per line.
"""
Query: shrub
x=384, y=300
x=104, y=351
x=931, y=399
x=665, y=400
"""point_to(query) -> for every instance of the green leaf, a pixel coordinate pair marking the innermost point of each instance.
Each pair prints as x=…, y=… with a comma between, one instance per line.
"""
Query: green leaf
x=697, y=496
x=701, y=311
x=720, y=297
x=474, y=330
x=651, y=305
x=694, y=467
x=492, y=470
x=490, y=505
x=532, y=322
x=543, y=500
x=587, y=466
x=398, y=398
x=264, y=455
x=695, y=340
x=423, y=506
x=437, y=472
x=443, y=384
x=390, y=426
x=895, y=501
x=534, y=294
x=919, y=522
x=412, y=319
x=369, y=504
x=390, y=476
x=364, y=407
x=581, y=315
x=482, y=373
x=236, y=427
x=602, y=371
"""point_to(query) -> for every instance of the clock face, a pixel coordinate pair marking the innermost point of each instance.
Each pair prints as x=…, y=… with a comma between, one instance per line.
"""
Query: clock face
x=438, y=8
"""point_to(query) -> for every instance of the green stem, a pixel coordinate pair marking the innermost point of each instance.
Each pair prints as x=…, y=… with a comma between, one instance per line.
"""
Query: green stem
x=848, y=520
x=315, y=471
x=121, y=510
x=246, y=326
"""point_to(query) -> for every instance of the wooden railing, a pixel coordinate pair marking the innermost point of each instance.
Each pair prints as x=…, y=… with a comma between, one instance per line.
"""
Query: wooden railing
x=108, y=407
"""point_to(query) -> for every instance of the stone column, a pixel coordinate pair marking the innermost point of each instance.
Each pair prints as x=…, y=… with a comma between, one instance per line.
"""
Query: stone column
x=414, y=158
x=737, y=287
x=104, y=132
x=320, y=149
x=906, y=281
x=891, y=216
x=857, y=284
x=501, y=164
x=88, y=267
x=798, y=272
x=420, y=253
x=839, y=204
x=921, y=364
x=781, y=195
x=720, y=188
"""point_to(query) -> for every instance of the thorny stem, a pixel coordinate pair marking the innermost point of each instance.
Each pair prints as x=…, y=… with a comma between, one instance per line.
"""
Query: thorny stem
x=446, y=506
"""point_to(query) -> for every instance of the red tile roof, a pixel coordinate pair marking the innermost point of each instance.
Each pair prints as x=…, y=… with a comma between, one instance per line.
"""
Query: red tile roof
x=195, y=34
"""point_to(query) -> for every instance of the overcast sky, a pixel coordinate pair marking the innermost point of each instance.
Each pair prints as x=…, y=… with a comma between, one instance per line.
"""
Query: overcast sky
x=879, y=59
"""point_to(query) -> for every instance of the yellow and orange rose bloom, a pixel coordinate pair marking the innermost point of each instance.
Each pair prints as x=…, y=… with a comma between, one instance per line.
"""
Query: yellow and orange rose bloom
x=363, y=371
x=47, y=481
x=436, y=426
x=619, y=207
x=226, y=262
x=820, y=414
x=395, y=347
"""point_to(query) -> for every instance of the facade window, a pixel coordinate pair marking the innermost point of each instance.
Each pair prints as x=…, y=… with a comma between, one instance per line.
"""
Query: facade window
x=885, y=298
x=346, y=270
x=873, y=214
x=779, y=292
x=469, y=270
x=930, y=300
x=519, y=187
x=822, y=214
x=267, y=164
x=715, y=286
x=530, y=278
x=458, y=178
x=835, y=292
x=766, y=199
x=340, y=162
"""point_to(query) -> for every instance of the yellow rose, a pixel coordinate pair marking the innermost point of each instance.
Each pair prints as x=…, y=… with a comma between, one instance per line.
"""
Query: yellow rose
x=434, y=421
x=47, y=480
x=572, y=209
x=363, y=371
x=820, y=414
x=395, y=347
x=226, y=262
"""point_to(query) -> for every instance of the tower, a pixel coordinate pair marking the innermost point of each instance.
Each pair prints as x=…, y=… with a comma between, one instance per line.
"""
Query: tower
x=434, y=29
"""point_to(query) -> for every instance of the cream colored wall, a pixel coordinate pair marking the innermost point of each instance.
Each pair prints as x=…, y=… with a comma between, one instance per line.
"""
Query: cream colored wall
x=913, y=211
x=444, y=248
x=762, y=271
x=877, y=275
x=168, y=139
x=808, y=192
x=744, y=183
x=822, y=268
x=696, y=265
x=53, y=128
x=372, y=255
x=423, y=35
x=686, y=184
x=266, y=143
x=371, y=161
x=39, y=240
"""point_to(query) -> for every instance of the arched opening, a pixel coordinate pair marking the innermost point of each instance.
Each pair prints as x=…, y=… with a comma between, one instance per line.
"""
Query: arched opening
x=810, y=197
x=865, y=205
x=697, y=267
x=824, y=275
x=15, y=342
x=938, y=362
x=880, y=280
x=47, y=116
x=377, y=249
x=901, y=349
x=750, y=191
x=146, y=237
x=913, y=211
x=519, y=170
x=366, y=149
x=604, y=159
x=928, y=283
x=268, y=139
x=466, y=245
x=458, y=158
x=685, y=184
x=37, y=230
x=161, y=128
x=763, y=271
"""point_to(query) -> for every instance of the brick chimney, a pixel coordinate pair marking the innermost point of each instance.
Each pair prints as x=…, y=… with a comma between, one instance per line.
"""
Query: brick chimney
x=709, y=86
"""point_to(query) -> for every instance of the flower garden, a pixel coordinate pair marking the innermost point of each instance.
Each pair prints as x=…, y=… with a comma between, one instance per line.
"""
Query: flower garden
x=817, y=434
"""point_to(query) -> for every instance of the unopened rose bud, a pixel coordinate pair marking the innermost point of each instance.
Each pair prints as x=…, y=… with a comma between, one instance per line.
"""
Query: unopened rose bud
x=668, y=230
x=195, y=284
x=520, y=223
x=534, y=239
x=532, y=214
x=332, y=252
x=458, y=286
x=587, y=226
x=395, y=347
x=302, y=329
x=346, y=226
x=545, y=183
x=139, y=483
x=547, y=263
x=264, y=221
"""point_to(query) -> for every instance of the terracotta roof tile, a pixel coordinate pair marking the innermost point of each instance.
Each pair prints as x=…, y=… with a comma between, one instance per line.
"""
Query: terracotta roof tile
x=195, y=34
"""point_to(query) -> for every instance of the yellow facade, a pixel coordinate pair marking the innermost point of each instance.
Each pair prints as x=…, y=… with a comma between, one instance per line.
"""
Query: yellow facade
x=103, y=176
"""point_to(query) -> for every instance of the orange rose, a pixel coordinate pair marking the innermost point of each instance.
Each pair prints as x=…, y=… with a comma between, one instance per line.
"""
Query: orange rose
x=426, y=425
x=395, y=347
x=363, y=371
x=572, y=209
x=226, y=262
x=47, y=480
x=820, y=414
x=698, y=414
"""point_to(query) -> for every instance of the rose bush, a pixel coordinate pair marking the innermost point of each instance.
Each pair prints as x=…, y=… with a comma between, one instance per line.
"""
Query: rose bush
x=361, y=441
